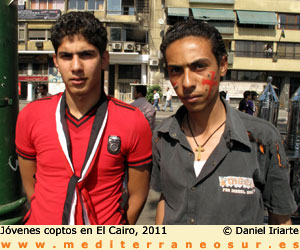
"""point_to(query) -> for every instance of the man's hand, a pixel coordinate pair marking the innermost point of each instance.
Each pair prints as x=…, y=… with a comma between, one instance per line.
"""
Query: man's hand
x=276, y=219
x=160, y=210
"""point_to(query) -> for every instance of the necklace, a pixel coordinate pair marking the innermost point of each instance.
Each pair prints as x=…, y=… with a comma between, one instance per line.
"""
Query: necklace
x=200, y=148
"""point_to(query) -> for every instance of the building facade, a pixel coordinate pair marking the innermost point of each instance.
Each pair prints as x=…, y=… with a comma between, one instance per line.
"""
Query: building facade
x=262, y=39
x=127, y=23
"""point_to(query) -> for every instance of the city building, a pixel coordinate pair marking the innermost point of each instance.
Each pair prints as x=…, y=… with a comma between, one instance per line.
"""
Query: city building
x=262, y=39
x=127, y=23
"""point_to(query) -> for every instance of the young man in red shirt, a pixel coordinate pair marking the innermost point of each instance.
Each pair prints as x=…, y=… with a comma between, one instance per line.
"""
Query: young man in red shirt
x=80, y=162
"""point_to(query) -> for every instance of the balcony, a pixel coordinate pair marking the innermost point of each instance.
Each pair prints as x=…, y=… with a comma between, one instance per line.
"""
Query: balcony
x=213, y=1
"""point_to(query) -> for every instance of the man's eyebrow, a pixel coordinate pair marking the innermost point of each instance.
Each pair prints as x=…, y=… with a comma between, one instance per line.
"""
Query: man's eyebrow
x=86, y=51
x=198, y=61
x=64, y=53
x=77, y=53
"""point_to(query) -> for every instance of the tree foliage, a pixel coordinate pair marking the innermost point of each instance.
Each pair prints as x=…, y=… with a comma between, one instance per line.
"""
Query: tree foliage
x=150, y=94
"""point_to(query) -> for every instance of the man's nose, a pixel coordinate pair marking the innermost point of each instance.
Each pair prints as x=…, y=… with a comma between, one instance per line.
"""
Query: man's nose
x=76, y=64
x=188, y=81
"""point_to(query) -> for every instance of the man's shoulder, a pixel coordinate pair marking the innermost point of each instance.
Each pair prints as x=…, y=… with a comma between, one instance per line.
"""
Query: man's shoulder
x=119, y=105
x=165, y=125
x=124, y=111
x=259, y=128
x=42, y=104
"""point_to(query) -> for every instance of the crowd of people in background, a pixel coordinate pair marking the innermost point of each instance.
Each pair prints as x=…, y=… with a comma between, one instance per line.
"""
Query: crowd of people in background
x=247, y=104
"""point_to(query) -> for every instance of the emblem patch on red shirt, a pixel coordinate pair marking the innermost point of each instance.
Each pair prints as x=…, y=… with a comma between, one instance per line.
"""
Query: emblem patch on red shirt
x=114, y=144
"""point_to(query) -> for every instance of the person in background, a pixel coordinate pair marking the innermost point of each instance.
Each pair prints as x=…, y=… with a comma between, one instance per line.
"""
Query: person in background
x=223, y=94
x=251, y=109
x=84, y=157
x=211, y=163
x=243, y=105
x=227, y=98
x=168, y=100
x=43, y=91
x=142, y=103
x=156, y=99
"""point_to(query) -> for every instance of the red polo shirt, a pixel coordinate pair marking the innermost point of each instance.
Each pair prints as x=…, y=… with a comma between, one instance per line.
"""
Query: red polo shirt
x=37, y=140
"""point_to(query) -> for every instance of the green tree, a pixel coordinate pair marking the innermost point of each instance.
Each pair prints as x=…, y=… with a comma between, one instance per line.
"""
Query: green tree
x=150, y=94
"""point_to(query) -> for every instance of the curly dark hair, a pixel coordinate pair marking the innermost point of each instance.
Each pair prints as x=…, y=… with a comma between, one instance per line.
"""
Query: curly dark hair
x=79, y=23
x=195, y=28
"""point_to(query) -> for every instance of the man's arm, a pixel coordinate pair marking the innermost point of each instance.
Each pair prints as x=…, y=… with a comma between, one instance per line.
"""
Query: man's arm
x=28, y=170
x=276, y=219
x=138, y=188
x=160, y=210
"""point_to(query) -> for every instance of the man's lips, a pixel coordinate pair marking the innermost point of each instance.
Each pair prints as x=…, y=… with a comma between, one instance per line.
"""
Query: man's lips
x=77, y=81
x=192, y=98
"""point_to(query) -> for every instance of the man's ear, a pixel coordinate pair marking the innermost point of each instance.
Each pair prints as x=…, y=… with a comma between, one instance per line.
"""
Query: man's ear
x=223, y=66
x=105, y=60
x=55, y=61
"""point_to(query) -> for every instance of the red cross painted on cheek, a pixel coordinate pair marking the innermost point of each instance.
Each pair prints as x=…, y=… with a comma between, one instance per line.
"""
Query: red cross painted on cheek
x=174, y=84
x=210, y=82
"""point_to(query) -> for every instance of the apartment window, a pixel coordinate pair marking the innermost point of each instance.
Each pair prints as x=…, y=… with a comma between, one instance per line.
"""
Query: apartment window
x=114, y=7
x=21, y=32
x=171, y=20
x=128, y=33
x=40, y=69
x=289, y=50
x=256, y=76
x=120, y=7
x=127, y=10
x=129, y=71
x=47, y=4
x=128, y=7
x=289, y=21
x=76, y=4
x=39, y=35
x=96, y=5
x=117, y=34
x=253, y=49
x=22, y=69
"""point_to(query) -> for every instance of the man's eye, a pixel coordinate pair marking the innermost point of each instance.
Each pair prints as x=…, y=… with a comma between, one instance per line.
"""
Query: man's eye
x=66, y=56
x=175, y=70
x=197, y=67
x=86, y=55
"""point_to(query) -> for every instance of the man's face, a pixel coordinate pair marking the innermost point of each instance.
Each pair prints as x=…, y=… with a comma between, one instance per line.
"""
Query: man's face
x=194, y=72
x=80, y=65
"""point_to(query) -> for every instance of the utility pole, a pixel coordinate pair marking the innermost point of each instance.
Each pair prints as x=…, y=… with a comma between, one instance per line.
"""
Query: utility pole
x=11, y=200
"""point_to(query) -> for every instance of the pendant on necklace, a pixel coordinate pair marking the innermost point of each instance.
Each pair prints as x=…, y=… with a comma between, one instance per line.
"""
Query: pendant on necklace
x=199, y=149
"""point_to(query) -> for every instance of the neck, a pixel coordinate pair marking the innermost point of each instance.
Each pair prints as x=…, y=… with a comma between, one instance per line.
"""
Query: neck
x=80, y=105
x=202, y=122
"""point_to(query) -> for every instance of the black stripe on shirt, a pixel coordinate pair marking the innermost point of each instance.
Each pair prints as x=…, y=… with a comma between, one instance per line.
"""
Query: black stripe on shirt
x=136, y=162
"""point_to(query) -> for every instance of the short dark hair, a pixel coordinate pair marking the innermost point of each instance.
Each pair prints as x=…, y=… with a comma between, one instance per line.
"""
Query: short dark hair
x=79, y=23
x=223, y=94
x=141, y=89
x=253, y=93
x=195, y=28
x=247, y=93
x=44, y=86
